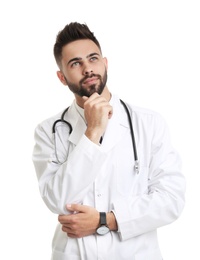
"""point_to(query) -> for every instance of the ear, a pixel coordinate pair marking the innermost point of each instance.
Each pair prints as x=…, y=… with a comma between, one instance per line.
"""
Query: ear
x=105, y=62
x=61, y=77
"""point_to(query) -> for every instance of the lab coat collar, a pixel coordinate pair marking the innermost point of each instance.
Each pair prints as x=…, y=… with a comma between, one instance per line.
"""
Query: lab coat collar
x=116, y=128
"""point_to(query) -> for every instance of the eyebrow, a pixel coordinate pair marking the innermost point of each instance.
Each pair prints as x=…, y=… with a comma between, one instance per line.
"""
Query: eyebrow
x=79, y=58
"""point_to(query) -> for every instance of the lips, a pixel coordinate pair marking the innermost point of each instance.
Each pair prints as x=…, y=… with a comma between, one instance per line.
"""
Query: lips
x=91, y=80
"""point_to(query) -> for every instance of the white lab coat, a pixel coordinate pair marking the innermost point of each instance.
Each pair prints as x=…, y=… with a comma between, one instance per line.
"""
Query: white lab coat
x=103, y=177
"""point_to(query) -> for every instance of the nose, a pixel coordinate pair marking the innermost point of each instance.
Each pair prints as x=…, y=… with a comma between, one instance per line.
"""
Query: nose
x=87, y=70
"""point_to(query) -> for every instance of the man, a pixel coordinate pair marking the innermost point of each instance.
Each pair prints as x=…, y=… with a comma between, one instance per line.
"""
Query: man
x=107, y=208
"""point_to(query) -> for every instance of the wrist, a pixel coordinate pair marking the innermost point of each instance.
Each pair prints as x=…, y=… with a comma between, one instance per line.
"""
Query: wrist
x=111, y=221
x=103, y=228
x=93, y=136
x=107, y=222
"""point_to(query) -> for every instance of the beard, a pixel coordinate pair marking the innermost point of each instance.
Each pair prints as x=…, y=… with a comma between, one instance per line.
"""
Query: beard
x=81, y=91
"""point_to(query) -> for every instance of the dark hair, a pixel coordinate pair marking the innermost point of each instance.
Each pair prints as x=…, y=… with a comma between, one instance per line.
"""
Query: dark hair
x=72, y=32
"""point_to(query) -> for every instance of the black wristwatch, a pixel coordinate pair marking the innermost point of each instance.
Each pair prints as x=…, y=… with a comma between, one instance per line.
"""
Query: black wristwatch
x=103, y=228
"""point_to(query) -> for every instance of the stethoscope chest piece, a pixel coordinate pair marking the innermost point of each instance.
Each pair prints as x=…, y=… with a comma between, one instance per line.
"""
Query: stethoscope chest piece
x=137, y=167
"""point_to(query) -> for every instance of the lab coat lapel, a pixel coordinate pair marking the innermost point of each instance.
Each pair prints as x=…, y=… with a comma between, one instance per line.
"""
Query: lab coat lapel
x=78, y=125
x=117, y=126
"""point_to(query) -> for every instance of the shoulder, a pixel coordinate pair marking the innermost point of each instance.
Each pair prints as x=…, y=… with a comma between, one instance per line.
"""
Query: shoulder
x=137, y=111
x=48, y=122
x=144, y=119
x=143, y=112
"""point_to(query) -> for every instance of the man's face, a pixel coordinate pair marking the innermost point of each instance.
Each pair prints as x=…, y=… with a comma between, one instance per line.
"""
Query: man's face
x=84, y=69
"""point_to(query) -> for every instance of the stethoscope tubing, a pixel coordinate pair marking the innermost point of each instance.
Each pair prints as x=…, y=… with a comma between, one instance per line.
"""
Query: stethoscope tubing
x=62, y=120
x=131, y=129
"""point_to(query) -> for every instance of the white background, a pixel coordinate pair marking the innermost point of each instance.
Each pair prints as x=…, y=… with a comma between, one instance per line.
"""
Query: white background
x=153, y=49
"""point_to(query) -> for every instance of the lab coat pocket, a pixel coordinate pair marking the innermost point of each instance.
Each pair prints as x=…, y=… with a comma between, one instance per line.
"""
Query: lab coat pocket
x=130, y=183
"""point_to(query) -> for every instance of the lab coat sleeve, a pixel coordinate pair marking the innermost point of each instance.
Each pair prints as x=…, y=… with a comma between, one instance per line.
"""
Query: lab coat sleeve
x=67, y=183
x=164, y=200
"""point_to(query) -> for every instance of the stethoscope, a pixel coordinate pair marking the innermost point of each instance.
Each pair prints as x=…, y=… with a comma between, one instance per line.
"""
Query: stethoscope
x=62, y=120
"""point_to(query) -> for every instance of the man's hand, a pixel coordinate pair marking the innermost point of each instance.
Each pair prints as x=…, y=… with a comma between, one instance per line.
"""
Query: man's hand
x=83, y=221
x=97, y=113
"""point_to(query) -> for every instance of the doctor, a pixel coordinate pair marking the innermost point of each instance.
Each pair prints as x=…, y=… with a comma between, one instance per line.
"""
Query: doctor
x=106, y=210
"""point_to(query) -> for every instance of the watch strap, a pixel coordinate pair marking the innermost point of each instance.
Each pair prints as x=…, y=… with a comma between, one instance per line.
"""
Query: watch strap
x=103, y=218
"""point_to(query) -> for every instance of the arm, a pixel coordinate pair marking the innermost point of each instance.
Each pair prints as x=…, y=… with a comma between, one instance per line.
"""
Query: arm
x=69, y=182
x=60, y=184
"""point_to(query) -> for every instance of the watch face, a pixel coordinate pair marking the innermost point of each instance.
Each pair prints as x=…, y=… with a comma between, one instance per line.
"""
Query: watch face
x=102, y=230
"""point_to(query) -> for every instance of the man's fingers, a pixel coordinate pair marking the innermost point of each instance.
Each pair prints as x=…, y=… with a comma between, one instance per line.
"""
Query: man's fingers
x=76, y=208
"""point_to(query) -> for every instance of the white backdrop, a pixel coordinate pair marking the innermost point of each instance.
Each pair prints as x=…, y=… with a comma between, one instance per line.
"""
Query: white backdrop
x=154, y=62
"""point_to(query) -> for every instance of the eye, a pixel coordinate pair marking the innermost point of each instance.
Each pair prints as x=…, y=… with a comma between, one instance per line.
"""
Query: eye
x=94, y=58
x=75, y=64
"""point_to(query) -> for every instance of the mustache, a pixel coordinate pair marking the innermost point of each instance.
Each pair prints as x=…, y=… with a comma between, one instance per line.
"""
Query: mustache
x=90, y=76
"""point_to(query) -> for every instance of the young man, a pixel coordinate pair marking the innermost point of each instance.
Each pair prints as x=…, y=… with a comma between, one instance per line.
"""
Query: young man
x=109, y=206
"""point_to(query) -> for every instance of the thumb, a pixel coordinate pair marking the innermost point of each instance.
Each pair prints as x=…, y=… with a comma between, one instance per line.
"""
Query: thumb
x=84, y=98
